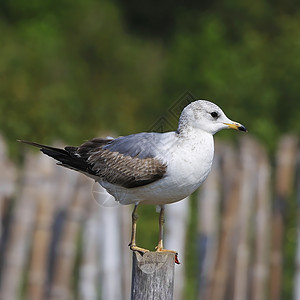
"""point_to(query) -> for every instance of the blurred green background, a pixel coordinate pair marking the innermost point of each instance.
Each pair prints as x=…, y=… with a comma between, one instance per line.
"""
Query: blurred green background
x=70, y=70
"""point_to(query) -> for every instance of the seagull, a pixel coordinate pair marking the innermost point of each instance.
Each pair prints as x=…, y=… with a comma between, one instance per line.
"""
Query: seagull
x=149, y=167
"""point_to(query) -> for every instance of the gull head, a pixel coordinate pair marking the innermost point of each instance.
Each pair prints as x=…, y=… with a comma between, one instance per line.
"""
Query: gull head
x=207, y=116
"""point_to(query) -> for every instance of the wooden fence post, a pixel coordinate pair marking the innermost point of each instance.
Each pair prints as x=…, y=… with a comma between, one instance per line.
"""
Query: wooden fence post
x=8, y=177
x=176, y=228
x=230, y=173
x=297, y=272
x=17, y=248
x=61, y=287
x=152, y=276
x=262, y=229
x=284, y=175
x=209, y=197
x=247, y=194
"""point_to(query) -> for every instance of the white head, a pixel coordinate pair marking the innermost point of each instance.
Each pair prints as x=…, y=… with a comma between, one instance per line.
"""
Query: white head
x=206, y=116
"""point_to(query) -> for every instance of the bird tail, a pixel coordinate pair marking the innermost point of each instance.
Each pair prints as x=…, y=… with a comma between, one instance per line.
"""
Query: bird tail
x=66, y=157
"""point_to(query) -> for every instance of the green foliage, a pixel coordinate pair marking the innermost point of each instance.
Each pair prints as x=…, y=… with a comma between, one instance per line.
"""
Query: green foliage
x=254, y=77
x=69, y=70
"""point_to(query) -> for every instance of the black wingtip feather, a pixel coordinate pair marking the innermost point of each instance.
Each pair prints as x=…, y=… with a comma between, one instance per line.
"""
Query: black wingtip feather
x=41, y=146
x=65, y=156
x=31, y=143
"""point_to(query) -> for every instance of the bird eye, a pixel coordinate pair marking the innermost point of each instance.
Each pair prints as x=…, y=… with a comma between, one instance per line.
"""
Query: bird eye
x=214, y=114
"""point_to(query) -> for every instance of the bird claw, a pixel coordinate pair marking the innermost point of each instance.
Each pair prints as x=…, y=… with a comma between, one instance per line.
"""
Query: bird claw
x=158, y=249
x=142, y=251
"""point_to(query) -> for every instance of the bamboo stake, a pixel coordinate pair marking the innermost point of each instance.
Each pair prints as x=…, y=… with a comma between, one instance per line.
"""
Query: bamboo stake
x=285, y=169
x=37, y=275
x=225, y=255
x=89, y=267
x=66, y=187
x=297, y=272
x=126, y=255
x=208, y=228
x=8, y=176
x=176, y=229
x=66, y=252
x=261, y=262
x=247, y=197
x=17, y=251
x=110, y=251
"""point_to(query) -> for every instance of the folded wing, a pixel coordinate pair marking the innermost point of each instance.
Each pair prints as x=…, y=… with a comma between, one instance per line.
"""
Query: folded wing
x=126, y=161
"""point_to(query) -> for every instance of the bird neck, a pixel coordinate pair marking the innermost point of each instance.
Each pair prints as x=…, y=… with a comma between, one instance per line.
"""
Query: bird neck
x=186, y=131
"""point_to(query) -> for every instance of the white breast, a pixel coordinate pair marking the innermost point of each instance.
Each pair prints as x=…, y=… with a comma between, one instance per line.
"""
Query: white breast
x=189, y=164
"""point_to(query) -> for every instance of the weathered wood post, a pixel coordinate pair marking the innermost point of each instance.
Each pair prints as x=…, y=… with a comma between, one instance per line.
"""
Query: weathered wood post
x=152, y=276
x=284, y=178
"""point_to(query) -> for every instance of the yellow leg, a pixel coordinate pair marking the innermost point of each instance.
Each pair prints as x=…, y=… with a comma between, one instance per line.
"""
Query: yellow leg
x=161, y=221
x=159, y=247
x=132, y=243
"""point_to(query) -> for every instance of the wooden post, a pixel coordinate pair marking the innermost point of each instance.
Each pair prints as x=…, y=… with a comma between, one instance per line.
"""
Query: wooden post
x=66, y=251
x=22, y=224
x=152, y=276
x=247, y=194
x=284, y=176
x=230, y=174
x=297, y=272
x=262, y=229
x=176, y=228
x=209, y=198
x=8, y=177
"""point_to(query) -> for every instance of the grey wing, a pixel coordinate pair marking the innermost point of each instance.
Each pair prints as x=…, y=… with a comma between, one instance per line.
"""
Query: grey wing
x=127, y=161
x=141, y=145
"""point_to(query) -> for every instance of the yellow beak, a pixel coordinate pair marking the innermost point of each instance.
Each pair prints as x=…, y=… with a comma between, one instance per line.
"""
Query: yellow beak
x=236, y=126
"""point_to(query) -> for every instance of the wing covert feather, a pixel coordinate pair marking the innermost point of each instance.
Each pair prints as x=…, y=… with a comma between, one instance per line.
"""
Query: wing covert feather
x=126, y=171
